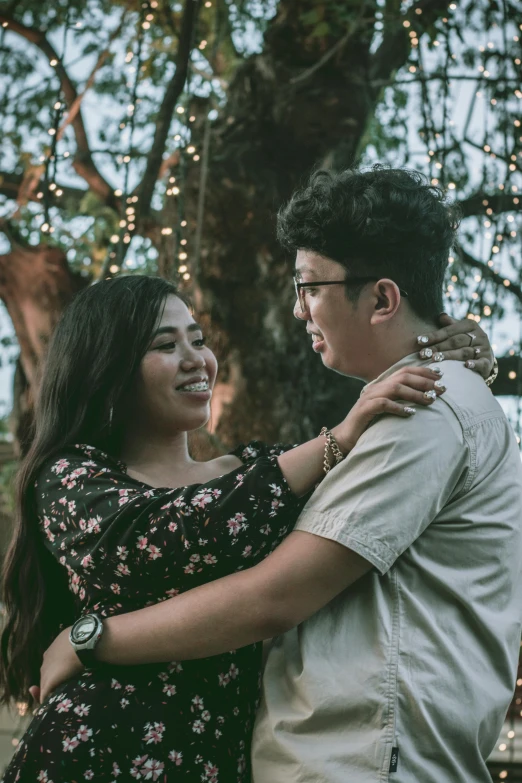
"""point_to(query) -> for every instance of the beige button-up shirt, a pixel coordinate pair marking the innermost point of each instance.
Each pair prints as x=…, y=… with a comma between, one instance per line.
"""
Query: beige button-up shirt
x=407, y=675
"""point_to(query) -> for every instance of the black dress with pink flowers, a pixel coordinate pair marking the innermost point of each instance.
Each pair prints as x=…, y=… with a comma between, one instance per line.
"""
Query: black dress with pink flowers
x=126, y=545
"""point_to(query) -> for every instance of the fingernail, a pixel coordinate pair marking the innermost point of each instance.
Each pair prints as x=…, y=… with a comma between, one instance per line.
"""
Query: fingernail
x=430, y=395
x=437, y=370
x=423, y=339
x=426, y=353
x=438, y=357
x=439, y=385
x=470, y=365
x=410, y=411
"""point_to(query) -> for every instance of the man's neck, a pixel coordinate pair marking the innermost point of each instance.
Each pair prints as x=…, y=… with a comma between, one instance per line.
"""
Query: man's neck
x=393, y=344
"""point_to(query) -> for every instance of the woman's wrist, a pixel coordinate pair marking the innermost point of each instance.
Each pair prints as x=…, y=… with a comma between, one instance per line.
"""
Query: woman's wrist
x=344, y=441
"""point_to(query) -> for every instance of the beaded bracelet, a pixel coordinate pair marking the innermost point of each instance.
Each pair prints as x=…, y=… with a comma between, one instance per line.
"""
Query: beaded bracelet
x=330, y=445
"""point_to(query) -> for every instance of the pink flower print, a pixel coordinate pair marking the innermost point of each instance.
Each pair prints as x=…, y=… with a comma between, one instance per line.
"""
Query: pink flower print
x=82, y=710
x=154, y=733
x=142, y=542
x=115, y=684
x=276, y=505
x=63, y=526
x=198, y=727
x=247, y=551
x=241, y=764
x=202, y=498
x=124, y=703
x=179, y=502
x=72, y=507
x=82, y=524
x=172, y=592
x=169, y=689
x=199, y=759
x=189, y=569
x=69, y=482
x=173, y=526
x=62, y=560
x=265, y=530
x=197, y=701
x=123, y=569
x=154, y=552
x=209, y=559
x=69, y=744
x=223, y=680
x=93, y=525
x=50, y=535
x=115, y=587
x=84, y=733
x=81, y=593
x=87, y=561
x=234, y=526
x=211, y=771
x=122, y=552
x=115, y=769
x=176, y=757
x=130, y=689
x=195, y=558
x=236, y=710
x=153, y=768
x=205, y=715
x=216, y=493
x=89, y=463
x=88, y=774
x=79, y=472
x=64, y=706
x=233, y=671
x=63, y=501
x=276, y=490
x=43, y=776
x=249, y=452
x=124, y=496
x=60, y=466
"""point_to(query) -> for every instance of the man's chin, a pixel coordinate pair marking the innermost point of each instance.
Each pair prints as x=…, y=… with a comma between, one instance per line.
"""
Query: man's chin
x=338, y=366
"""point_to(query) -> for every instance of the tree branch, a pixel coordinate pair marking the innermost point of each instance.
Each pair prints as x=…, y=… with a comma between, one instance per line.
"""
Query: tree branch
x=10, y=184
x=395, y=47
x=487, y=271
x=83, y=162
x=500, y=202
x=174, y=89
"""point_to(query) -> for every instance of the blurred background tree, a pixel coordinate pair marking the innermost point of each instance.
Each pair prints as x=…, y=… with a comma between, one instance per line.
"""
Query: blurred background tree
x=161, y=137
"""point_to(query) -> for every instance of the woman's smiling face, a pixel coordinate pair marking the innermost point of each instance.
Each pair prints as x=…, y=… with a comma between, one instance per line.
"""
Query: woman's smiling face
x=176, y=376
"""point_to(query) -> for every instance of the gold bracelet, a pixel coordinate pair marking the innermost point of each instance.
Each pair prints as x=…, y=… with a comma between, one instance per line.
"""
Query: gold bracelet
x=332, y=446
x=494, y=372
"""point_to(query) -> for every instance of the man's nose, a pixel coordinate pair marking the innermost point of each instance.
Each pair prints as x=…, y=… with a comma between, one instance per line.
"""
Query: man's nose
x=299, y=313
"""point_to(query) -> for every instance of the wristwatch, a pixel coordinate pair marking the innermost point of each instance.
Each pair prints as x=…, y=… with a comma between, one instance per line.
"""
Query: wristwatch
x=84, y=636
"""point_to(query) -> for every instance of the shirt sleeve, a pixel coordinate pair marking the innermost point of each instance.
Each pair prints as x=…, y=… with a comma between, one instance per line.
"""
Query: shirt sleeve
x=391, y=486
x=105, y=527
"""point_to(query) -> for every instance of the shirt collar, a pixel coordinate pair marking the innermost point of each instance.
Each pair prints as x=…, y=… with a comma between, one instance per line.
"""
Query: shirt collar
x=412, y=360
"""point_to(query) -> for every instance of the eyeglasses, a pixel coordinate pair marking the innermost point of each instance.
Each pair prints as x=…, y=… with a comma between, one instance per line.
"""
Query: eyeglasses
x=300, y=288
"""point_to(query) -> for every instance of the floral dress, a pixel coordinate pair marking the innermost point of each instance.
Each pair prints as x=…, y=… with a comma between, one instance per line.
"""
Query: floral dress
x=126, y=545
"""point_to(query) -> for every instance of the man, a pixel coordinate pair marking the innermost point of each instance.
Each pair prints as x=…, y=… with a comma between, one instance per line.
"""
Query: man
x=406, y=675
x=396, y=600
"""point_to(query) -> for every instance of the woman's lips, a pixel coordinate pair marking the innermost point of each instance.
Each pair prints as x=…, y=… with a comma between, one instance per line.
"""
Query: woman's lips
x=317, y=342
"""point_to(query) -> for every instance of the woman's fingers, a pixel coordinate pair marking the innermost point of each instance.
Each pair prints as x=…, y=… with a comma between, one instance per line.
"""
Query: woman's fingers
x=380, y=405
x=34, y=690
x=462, y=328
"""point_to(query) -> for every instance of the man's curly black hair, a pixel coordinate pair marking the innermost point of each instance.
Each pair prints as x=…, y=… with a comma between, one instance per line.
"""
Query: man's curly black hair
x=382, y=221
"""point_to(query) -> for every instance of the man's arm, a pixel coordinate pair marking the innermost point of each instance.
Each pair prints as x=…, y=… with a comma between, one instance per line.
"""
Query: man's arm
x=300, y=577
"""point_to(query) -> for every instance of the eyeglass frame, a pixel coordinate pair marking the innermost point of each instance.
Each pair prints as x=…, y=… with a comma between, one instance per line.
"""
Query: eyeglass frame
x=313, y=284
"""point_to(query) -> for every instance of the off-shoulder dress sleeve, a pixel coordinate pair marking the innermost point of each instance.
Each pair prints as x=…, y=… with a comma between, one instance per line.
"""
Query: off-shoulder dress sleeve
x=118, y=536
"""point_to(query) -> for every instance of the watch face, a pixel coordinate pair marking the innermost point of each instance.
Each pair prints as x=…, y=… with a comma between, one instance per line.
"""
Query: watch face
x=83, y=630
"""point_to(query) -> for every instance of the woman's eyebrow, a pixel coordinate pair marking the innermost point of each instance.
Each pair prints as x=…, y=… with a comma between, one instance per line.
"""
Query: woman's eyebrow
x=194, y=327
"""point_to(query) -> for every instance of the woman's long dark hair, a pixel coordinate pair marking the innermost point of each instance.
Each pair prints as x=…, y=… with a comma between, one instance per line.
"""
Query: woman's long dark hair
x=93, y=358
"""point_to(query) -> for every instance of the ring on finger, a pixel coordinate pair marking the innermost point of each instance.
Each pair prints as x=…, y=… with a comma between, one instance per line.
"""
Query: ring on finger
x=476, y=351
x=438, y=357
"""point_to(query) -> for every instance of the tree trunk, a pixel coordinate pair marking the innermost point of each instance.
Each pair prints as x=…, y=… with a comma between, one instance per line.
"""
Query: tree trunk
x=35, y=285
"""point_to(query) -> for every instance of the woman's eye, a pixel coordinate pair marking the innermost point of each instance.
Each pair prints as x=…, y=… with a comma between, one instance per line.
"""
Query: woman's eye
x=166, y=346
x=200, y=342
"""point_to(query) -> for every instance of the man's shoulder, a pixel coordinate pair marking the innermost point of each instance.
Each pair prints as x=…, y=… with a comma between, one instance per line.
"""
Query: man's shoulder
x=467, y=396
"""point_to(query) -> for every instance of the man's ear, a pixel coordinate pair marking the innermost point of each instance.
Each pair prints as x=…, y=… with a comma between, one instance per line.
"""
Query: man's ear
x=387, y=299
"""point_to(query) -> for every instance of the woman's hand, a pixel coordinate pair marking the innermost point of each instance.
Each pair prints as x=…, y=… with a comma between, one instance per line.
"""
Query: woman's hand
x=417, y=385
x=454, y=341
x=60, y=663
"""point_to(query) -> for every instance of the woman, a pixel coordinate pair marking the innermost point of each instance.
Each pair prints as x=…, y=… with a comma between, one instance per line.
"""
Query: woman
x=131, y=520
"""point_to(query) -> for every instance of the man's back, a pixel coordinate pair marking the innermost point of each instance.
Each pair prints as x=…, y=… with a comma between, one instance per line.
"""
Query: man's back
x=419, y=655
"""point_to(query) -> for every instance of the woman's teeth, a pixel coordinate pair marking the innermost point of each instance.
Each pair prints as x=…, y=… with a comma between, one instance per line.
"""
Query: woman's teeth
x=195, y=387
x=316, y=338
